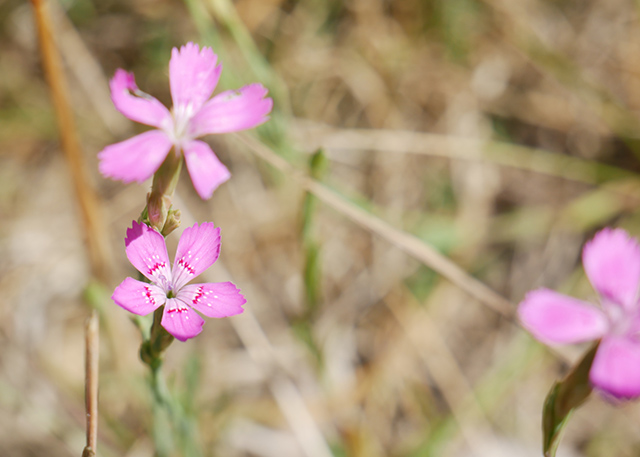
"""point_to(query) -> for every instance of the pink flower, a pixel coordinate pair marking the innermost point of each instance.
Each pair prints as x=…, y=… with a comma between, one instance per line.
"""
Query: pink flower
x=198, y=249
x=193, y=75
x=612, y=263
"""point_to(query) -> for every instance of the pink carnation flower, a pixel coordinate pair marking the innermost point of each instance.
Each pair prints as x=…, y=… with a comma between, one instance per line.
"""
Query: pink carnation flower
x=193, y=75
x=198, y=249
x=612, y=263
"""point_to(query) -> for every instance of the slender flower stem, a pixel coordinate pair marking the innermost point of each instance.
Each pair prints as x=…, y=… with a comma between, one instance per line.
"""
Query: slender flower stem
x=160, y=214
x=184, y=428
x=159, y=340
x=164, y=404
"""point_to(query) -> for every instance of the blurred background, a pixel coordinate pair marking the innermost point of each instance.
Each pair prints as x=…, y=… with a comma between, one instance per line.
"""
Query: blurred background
x=501, y=133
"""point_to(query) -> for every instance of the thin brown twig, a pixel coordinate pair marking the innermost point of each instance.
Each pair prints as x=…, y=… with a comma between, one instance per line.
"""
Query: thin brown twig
x=86, y=69
x=88, y=202
x=96, y=237
x=92, y=344
x=405, y=241
x=501, y=153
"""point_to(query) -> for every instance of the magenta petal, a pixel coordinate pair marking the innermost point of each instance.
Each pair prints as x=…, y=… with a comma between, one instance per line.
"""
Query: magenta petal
x=193, y=76
x=612, y=263
x=232, y=110
x=555, y=318
x=146, y=250
x=221, y=299
x=135, y=159
x=205, y=169
x=616, y=367
x=138, y=297
x=135, y=104
x=198, y=248
x=180, y=320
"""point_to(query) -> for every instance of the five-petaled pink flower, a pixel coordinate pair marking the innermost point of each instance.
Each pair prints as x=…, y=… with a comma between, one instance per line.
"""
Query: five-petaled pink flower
x=198, y=249
x=612, y=263
x=193, y=75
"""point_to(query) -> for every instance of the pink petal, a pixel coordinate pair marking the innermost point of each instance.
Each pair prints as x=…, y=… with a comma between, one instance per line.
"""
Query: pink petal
x=193, y=76
x=135, y=159
x=146, y=250
x=138, y=297
x=198, y=248
x=616, y=367
x=555, y=318
x=612, y=263
x=180, y=320
x=221, y=299
x=232, y=110
x=135, y=104
x=205, y=169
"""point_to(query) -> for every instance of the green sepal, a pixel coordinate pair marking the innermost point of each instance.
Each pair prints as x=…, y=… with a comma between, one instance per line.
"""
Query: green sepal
x=172, y=222
x=563, y=398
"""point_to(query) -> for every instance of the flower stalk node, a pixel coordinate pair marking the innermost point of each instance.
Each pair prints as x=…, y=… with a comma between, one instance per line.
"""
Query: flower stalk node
x=152, y=350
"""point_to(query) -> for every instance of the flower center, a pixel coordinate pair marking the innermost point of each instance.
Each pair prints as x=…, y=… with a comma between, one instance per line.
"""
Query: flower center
x=165, y=284
x=623, y=322
x=182, y=114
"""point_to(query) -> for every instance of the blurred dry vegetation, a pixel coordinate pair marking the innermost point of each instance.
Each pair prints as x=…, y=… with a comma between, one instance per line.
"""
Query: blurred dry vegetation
x=503, y=133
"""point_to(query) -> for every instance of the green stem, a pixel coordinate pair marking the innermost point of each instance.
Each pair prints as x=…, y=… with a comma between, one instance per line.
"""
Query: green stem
x=151, y=350
x=163, y=412
x=171, y=424
x=170, y=419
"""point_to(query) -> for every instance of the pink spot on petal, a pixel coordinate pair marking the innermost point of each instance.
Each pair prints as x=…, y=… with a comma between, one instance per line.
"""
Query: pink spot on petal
x=179, y=310
x=149, y=297
x=198, y=295
x=156, y=266
x=183, y=263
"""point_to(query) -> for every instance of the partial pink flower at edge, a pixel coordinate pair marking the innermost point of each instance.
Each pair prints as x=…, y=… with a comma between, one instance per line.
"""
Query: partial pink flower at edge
x=193, y=76
x=612, y=263
x=198, y=249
